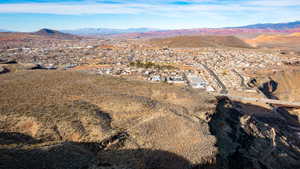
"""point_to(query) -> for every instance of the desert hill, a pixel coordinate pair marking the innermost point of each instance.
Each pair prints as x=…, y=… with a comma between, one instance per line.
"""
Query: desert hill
x=41, y=34
x=282, y=41
x=72, y=113
x=199, y=41
x=48, y=32
x=70, y=119
x=14, y=36
x=286, y=84
x=55, y=34
x=15, y=40
x=297, y=34
x=22, y=39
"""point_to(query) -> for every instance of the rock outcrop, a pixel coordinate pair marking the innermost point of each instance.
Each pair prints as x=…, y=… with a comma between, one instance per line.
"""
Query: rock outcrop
x=253, y=141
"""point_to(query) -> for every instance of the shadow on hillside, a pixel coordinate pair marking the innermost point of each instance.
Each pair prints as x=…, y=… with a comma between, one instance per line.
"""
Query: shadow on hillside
x=16, y=138
x=242, y=144
x=248, y=142
x=268, y=88
x=8, y=61
x=71, y=155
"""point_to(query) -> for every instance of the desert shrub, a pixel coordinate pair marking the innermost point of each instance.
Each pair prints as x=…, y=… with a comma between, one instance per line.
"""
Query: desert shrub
x=148, y=65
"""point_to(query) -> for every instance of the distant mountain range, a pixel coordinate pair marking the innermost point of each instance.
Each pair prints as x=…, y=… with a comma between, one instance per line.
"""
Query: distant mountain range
x=243, y=31
x=150, y=32
x=107, y=31
x=3, y=30
x=275, y=26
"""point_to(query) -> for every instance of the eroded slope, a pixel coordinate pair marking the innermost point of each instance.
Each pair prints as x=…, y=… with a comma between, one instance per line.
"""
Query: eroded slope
x=76, y=120
x=72, y=120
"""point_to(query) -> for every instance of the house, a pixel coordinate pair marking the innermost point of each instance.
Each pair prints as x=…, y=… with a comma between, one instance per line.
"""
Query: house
x=210, y=89
x=196, y=81
x=155, y=78
x=175, y=79
x=69, y=66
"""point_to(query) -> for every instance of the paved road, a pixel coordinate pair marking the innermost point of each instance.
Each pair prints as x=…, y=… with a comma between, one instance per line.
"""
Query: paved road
x=279, y=103
x=243, y=84
x=219, y=82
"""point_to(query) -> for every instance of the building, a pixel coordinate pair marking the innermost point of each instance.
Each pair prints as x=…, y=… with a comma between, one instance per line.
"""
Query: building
x=196, y=82
x=175, y=79
x=155, y=78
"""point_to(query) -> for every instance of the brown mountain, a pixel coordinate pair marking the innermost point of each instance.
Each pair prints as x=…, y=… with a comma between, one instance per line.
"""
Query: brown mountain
x=281, y=41
x=54, y=34
x=43, y=36
x=199, y=41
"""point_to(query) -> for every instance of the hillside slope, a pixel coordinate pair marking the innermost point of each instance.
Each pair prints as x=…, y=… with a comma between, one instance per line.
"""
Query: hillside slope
x=43, y=36
x=55, y=34
x=200, y=41
x=283, y=41
x=73, y=120
x=108, y=113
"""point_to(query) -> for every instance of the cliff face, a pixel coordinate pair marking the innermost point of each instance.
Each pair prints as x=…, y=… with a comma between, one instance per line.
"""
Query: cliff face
x=64, y=119
x=254, y=141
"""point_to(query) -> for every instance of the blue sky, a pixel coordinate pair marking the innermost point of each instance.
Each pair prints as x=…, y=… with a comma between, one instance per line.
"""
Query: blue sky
x=31, y=15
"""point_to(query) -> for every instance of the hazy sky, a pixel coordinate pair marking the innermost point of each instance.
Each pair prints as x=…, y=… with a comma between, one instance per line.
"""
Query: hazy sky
x=30, y=15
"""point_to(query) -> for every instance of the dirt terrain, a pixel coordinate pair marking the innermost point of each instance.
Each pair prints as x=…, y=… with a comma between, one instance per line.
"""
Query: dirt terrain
x=75, y=120
x=35, y=39
x=199, y=41
x=282, y=85
x=47, y=111
x=288, y=85
x=280, y=41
